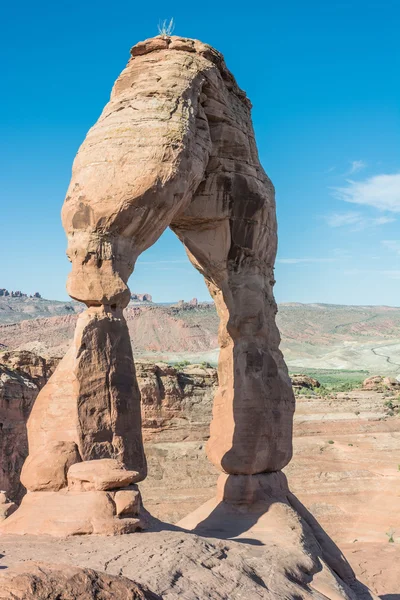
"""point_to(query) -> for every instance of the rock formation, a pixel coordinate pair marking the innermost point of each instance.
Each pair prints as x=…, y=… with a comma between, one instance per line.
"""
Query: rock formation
x=22, y=375
x=141, y=297
x=185, y=154
x=175, y=148
x=176, y=405
x=44, y=581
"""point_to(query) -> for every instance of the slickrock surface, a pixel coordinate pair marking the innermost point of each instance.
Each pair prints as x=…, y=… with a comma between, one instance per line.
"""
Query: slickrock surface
x=352, y=486
x=279, y=561
x=47, y=581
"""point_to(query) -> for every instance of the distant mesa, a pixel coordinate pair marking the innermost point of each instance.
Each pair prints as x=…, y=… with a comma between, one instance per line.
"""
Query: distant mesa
x=141, y=297
x=18, y=294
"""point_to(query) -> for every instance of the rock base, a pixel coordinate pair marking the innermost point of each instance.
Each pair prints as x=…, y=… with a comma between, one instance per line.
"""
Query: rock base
x=259, y=510
x=66, y=513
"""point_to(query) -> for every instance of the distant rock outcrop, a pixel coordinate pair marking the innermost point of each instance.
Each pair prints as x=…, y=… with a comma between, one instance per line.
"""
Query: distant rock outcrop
x=380, y=383
x=304, y=381
x=141, y=297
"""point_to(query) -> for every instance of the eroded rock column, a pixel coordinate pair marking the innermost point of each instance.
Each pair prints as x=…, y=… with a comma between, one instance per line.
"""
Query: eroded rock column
x=85, y=442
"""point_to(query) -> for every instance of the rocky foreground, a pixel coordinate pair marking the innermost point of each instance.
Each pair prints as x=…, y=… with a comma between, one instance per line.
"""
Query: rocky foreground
x=345, y=471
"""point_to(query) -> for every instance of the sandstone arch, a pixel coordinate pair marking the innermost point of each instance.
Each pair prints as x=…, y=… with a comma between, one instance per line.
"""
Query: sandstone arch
x=173, y=147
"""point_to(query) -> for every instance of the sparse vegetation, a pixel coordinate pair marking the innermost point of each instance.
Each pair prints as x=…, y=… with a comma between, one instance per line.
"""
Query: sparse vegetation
x=181, y=365
x=166, y=28
x=331, y=442
x=332, y=382
x=390, y=535
x=392, y=406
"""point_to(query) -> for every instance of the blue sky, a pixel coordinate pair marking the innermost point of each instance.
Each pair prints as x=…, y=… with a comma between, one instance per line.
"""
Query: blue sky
x=324, y=81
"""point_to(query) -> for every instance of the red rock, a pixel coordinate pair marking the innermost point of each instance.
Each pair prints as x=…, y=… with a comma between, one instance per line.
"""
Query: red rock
x=47, y=581
x=102, y=474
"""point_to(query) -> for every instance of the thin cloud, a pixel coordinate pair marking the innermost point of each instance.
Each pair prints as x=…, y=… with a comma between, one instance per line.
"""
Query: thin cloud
x=392, y=245
x=356, y=165
x=356, y=221
x=296, y=261
x=390, y=274
x=379, y=191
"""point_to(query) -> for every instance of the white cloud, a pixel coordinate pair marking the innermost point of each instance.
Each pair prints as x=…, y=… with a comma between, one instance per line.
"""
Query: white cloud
x=357, y=165
x=296, y=261
x=356, y=220
x=380, y=191
x=392, y=245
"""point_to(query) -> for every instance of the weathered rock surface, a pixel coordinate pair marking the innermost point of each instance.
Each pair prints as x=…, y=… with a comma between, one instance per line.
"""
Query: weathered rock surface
x=101, y=474
x=67, y=513
x=177, y=110
x=278, y=558
x=6, y=507
x=93, y=399
x=176, y=406
x=380, y=383
x=334, y=481
x=175, y=399
x=304, y=381
x=22, y=374
x=47, y=581
x=47, y=467
x=352, y=486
